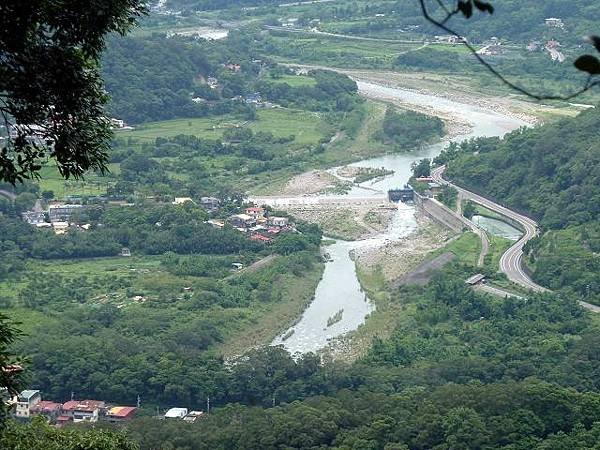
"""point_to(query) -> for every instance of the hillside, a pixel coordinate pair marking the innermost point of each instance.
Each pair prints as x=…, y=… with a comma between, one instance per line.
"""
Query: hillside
x=553, y=174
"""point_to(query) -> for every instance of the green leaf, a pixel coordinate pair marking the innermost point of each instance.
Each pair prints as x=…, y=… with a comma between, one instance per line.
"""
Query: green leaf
x=484, y=6
x=466, y=7
x=588, y=63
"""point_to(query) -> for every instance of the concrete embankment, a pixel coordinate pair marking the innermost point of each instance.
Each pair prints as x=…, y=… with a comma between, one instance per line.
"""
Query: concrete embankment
x=440, y=213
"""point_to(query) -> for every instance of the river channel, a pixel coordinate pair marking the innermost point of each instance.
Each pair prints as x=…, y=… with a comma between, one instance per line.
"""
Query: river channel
x=339, y=289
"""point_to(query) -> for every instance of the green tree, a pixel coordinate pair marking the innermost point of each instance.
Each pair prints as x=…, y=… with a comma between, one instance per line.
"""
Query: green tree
x=469, y=209
x=464, y=430
x=24, y=201
x=422, y=168
x=10, y=369
x=47, y=195
x=38, y=435
x=51, y=94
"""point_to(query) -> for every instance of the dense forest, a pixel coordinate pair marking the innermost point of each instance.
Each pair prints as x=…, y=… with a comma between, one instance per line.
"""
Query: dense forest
x=551, y=173
x=465, y=370
x=155, y=78
x=410, y=129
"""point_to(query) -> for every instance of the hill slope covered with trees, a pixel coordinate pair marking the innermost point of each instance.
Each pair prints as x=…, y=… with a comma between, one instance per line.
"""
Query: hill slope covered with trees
x=553, y=174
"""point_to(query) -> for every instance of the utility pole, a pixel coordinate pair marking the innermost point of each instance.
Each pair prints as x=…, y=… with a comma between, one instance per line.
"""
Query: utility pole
x=207, y=405
x=138, y=401
x=72, y=395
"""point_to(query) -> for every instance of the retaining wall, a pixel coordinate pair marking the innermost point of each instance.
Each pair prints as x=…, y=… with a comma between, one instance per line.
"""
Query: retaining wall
x=440, y=213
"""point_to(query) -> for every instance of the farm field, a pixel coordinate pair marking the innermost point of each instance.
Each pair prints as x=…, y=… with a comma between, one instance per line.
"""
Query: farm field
x=307, y=127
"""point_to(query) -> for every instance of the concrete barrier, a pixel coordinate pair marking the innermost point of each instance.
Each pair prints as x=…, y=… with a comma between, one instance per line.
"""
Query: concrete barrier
x=441, y=213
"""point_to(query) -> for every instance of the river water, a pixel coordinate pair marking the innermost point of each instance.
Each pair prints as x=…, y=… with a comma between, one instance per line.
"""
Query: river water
x=497, y=227
x=339, y=289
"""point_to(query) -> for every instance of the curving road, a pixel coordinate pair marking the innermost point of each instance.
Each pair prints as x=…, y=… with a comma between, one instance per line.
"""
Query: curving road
x=511, y=261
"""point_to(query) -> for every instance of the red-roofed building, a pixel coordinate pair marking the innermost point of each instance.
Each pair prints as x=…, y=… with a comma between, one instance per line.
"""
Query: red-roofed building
x=61, y=420
x=260, y=237
x=120, y=413
x=83, y=410
x=255, y=212
x=46, y=408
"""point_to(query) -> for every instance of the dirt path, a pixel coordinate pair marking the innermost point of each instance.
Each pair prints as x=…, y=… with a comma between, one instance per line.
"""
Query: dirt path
x=267, y=261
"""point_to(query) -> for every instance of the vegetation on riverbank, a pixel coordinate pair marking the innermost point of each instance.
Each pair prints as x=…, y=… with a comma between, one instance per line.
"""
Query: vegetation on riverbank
x=560, y=188
x=409, y=129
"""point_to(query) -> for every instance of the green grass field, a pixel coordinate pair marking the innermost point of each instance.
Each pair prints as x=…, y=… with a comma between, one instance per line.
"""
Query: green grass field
x=336, y=51
x=92, y=184
x=307, y=127
x=293, y=80
x=498, y=245
x=466, y=248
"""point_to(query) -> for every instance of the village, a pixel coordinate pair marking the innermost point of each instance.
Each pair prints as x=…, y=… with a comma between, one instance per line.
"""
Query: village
x=29, y=404
x=255, y=221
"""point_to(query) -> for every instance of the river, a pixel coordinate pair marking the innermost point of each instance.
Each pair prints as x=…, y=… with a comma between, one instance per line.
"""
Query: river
x=339, y=289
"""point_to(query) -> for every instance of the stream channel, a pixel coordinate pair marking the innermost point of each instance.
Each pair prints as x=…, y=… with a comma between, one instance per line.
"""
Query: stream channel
x=339, y=289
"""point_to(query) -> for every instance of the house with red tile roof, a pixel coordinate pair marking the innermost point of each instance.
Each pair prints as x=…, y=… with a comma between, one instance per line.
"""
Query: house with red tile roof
x=120, y=413
x=46, y=408
x=83, y=410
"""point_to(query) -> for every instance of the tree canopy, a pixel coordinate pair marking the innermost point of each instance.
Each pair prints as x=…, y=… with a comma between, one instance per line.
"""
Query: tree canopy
x=51, y=93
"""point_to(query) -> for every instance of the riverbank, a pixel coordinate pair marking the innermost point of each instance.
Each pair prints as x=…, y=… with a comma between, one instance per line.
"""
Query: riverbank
x=379, y=268
x=397, y=258
x=362, y=290
x=273, y=319
x=349, y=222
x=459, y=89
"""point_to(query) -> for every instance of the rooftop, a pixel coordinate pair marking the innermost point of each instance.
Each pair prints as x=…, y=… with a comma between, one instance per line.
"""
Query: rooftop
x=82, y=405
x=176, y=413
x=475, y=279
x=121, y=411
x=46, y=406
x=242, y=217
x=27, y=394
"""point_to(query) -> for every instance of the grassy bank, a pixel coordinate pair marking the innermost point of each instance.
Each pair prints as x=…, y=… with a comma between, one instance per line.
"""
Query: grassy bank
x=389, y=312
x=271, y=320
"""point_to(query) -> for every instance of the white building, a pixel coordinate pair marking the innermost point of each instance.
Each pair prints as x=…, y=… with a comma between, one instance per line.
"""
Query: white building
x=25, y=401
x=554, y=22
x=62, y=213
x=182, y=200
x=176, y=413
x=279, y=221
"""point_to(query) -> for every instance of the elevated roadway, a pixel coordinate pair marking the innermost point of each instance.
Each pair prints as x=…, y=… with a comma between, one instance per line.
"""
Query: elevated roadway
x=511, y=262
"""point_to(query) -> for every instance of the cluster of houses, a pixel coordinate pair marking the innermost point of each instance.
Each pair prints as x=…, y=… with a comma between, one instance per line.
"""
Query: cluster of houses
x=58, y=217
x=257, y=223
x=29, y=403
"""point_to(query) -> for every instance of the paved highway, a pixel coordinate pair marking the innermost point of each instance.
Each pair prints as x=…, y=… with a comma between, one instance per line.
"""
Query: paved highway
x=511, y=262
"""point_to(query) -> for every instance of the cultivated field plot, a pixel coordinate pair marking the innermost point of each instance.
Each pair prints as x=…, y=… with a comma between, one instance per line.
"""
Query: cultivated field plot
x=307, y=127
